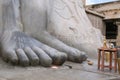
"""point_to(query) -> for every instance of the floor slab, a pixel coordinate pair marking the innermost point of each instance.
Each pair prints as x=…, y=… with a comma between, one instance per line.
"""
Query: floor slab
x=69, y=71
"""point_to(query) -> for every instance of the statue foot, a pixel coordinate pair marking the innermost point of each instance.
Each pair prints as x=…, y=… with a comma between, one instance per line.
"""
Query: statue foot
x=73, y=54
x=19, y=48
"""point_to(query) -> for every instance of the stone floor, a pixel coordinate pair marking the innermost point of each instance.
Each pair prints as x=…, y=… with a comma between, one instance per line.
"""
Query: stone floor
x=69, y=71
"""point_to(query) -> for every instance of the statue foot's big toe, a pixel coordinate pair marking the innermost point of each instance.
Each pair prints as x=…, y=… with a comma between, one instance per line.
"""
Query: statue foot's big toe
x=76, y=56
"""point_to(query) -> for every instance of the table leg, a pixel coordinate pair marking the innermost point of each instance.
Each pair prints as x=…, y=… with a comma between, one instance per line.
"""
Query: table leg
x=115, y=61
x=110, y=63
x=99, y=55
x=118, y=61
x=102, y=65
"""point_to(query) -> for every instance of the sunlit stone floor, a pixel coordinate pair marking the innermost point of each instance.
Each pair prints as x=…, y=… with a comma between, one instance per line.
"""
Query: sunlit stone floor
x=77, y=72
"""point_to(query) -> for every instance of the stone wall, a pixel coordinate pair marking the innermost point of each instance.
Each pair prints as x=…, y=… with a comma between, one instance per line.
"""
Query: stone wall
x=97, y=21
x=110, y=10
x=118, y=37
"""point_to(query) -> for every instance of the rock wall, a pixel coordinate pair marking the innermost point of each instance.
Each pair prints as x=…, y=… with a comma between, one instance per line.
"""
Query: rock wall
x=97, y=21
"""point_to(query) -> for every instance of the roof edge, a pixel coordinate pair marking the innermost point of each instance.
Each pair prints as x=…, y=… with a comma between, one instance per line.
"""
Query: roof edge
x=94, y=13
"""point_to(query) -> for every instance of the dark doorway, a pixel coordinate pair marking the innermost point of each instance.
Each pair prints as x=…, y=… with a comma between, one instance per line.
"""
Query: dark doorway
x=111, y=30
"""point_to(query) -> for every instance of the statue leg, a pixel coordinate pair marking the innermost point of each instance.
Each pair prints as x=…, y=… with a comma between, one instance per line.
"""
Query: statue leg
x=35, y=24
x=22, y=49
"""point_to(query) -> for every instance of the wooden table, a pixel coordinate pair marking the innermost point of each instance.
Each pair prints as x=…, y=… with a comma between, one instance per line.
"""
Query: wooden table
x=101, y=57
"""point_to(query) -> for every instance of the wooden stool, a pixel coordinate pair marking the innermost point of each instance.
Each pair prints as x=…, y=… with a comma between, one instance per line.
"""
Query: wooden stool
x=101, y=57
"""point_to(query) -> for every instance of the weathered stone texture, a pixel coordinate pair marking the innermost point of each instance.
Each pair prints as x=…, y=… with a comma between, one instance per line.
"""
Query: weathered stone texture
x=50, y=31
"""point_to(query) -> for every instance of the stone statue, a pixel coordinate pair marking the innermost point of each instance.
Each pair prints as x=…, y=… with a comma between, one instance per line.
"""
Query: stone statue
x=45, y=32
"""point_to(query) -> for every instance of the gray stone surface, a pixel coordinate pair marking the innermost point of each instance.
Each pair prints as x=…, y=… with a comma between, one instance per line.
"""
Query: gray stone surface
x=78, y=72
x=61, y=24
x=25, y=39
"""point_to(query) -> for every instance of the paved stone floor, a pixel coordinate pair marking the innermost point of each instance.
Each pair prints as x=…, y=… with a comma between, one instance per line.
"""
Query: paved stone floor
x=77, y=72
